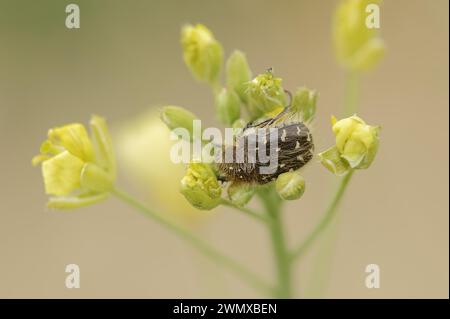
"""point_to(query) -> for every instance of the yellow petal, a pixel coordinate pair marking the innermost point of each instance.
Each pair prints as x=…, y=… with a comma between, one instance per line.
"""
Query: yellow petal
x=102, y=139
x=62, y=174
x=75, y=201
x=94, y=178
x=74, y=138
x=39, y=159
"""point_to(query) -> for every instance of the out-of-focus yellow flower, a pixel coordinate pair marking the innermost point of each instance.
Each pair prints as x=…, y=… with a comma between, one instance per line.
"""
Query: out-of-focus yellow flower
x=265, y=94
x=290, y=185
x=357, y=46
x=202, y=52
x=356, y=143
x=200, y=186
x=77, y=169
x=143, y=146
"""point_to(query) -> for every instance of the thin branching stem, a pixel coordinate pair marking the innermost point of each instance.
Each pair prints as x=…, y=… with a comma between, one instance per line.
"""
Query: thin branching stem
x=326, y=219
x=245, y=210
x=209, y=251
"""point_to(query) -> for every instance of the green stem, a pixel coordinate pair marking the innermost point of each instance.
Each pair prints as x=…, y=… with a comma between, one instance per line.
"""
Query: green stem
x=245, y=210
x=199, y=244
x=351, y=93
x=327, y=218
x=272, y=204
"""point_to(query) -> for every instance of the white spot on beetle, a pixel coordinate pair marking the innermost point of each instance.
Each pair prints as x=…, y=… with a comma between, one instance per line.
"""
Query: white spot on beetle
x=283, y=136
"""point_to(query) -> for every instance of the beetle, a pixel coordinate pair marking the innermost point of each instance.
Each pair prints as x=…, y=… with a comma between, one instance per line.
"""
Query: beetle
x=292, y=142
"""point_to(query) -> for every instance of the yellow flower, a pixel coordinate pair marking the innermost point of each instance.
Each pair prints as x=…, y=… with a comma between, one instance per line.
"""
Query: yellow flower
x=200, y=186
x=202, y=53
x=357, y=46
x=143, y=146
x=77, y=169
x=356, y=145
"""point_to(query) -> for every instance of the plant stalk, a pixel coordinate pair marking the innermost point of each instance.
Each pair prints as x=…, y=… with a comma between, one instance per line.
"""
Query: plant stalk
x=209, y=251
x=326, y=219
x=272, y=204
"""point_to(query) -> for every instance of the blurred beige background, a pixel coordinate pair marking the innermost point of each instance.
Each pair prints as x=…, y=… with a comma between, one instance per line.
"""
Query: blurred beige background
x=126, y=58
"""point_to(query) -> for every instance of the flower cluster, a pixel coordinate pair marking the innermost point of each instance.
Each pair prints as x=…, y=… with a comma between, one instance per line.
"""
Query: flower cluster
x=79, y=169
x=243, y=99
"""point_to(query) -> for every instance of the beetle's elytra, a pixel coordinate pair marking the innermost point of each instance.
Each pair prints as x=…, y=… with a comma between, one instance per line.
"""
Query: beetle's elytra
x=294, y=146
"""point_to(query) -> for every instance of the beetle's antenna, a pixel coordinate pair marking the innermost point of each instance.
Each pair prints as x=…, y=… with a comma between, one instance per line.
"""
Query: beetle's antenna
x=290, y=97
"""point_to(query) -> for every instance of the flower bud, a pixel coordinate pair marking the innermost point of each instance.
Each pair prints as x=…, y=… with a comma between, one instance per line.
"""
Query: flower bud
x=201, y=52
x=265, y=93
x=200, y=186
x=228, y=106
x=176, y=117
x=357, y=46
x=304, y=101
x=238, y=74
x=290, y=185
x=356, y=141
x=356, y=145
x=240, y=194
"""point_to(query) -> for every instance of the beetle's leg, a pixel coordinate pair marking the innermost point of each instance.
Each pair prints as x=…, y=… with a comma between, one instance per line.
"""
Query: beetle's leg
x=222, y=179
x=269, y=122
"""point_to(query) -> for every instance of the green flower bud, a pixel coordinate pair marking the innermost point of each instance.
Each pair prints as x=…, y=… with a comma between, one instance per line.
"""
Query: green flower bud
x=200, y=186
x=240, y=194
x=228, y=106
x=290, y=185
x=265, y=93
x=357, y=46
x=238, y=74
x=304, y=101
x=201, y=52
x=176, y=116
